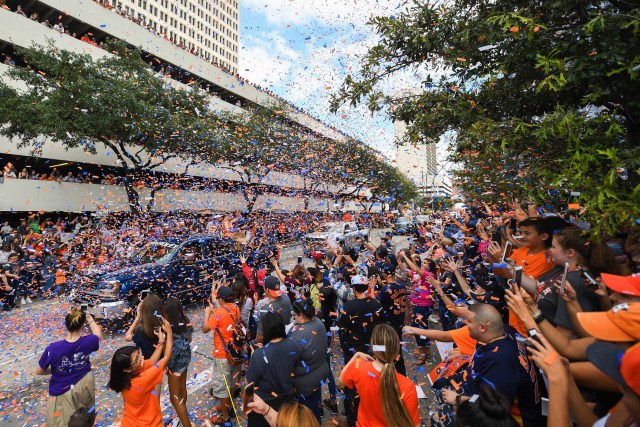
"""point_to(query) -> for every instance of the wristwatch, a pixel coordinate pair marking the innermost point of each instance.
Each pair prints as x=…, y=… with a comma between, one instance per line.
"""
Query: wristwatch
x=538, y=317
x=458, y=399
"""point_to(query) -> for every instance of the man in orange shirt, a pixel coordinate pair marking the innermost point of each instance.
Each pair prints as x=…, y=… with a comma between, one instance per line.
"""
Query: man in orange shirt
x=225, y=375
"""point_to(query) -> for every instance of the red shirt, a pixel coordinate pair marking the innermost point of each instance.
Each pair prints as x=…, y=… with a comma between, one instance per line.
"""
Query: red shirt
x=366, y=379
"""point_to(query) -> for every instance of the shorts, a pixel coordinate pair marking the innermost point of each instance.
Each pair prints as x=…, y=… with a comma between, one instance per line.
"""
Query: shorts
x=223, y=369
x=60, y=408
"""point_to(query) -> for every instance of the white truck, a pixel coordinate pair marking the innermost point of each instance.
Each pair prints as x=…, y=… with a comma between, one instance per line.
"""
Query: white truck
x=334, y=234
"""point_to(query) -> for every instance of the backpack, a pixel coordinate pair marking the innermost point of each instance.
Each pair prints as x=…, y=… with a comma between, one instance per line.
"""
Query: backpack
x=237, y=349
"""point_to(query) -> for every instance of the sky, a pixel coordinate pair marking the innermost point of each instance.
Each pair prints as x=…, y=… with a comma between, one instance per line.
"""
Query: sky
x=303, y=49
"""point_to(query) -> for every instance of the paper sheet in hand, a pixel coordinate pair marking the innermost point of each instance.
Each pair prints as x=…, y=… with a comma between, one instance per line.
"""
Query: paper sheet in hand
x=444, y=348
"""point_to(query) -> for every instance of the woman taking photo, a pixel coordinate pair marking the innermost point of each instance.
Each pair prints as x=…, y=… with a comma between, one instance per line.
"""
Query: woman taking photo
x=386, y=397
x=149, y=318
x=137, y=378
x=271, y=366
x=180, y=359
x=312, y=370
x=72, y=384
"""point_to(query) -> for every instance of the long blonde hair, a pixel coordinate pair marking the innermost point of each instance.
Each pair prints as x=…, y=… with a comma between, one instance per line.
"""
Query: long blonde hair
x=293, y=414
x=393, y=408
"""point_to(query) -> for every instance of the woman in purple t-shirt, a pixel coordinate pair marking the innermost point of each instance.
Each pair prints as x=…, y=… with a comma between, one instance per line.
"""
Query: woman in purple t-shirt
x=72, y=384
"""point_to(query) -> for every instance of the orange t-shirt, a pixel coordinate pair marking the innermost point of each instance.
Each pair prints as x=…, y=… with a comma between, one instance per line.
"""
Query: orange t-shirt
x=534, y=266
x=223, y=321
x=366, y=379
x=141, y=405
x=463, y=340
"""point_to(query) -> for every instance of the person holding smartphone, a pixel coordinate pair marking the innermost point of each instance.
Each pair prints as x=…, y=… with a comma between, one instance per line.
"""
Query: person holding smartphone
x=148, y=320
x=72, y=384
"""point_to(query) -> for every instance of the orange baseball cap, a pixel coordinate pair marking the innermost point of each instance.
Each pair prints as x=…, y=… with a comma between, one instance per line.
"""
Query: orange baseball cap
x=620, y=324
x=627, y=285
x=622, y=366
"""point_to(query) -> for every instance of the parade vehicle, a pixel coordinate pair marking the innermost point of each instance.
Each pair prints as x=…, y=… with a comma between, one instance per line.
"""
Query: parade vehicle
x=181, y=268
x=334, y=234
x=404, y=225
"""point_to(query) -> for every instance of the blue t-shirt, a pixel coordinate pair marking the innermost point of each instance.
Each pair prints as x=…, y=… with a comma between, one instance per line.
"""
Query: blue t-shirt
x=69, y=362
x=504, y=365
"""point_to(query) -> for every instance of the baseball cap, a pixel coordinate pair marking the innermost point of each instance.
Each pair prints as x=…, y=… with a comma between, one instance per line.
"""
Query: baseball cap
x=620, y=324
x=627, y=285
x=622, y=366
x=388, y=268
x=225, y=293
x=272, y=284
x=359, y=280
x=317, y=255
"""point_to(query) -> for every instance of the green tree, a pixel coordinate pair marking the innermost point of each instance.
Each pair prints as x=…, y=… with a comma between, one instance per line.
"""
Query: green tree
x=553, y=83
x=255, y=143
x=115, y=101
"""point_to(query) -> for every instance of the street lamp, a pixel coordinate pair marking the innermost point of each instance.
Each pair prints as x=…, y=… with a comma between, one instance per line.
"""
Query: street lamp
x=433, y=183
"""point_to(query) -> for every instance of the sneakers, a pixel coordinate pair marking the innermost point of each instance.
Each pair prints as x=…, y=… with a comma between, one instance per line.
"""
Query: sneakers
x=29, y=300
x=434, y=319
x=23, y=301
x=332, y=406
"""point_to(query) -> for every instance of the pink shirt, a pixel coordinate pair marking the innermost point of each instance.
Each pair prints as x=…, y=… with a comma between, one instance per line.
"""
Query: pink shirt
x=421, y=292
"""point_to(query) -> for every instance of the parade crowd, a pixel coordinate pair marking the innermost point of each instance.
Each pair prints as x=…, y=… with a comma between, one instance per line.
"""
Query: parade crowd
x=536, y=323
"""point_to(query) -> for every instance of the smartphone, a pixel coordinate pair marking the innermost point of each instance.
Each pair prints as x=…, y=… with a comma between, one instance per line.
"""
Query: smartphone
x=496, y=236
x=533, y=335
x=513, y=224
x=299, y=260
x=248, y=396
x=591, y=282
x=563, y=281
x=505, y=252
x=84, y=307
x=144, y=293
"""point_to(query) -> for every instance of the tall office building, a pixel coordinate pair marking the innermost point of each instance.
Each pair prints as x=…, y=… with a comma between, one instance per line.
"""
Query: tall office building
x=416, y=161
x=182, y=39
x=207, y=28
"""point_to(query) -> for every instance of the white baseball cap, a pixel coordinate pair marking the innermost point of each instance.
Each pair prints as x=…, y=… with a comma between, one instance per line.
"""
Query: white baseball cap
x=359, y=280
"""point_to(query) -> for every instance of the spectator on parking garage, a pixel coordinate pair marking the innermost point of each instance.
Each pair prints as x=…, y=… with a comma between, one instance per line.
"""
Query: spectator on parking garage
x=19, y=11
x=72, y=384
x=35, y=17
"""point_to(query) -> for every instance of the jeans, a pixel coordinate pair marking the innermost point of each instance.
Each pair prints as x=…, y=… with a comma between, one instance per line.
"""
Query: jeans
x=332, y=381
x=313, y=402
x=420, y=319
x=447, y=319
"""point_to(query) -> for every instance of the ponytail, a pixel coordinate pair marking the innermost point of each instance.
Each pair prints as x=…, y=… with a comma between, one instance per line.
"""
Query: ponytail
x=597, y=256
x=393, y=408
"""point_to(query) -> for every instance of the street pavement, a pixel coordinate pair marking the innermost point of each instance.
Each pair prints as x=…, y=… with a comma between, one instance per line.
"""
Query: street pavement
x=26, y=332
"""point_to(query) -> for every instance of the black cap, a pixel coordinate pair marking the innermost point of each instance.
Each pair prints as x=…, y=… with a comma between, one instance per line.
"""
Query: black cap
x=272, y=282
x=225, y=293
x=388, y=268
x=606, y=357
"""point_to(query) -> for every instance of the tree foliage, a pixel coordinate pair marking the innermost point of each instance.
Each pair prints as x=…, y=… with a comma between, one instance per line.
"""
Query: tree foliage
x=78, y=101
x=543, y=96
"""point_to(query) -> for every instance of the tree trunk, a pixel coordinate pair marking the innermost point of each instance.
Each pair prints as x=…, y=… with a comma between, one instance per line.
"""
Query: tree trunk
x=133, y=196
x=152, y=197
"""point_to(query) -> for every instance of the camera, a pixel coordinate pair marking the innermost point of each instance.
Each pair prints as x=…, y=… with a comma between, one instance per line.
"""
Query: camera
x=144, y=293
x=84, y=307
